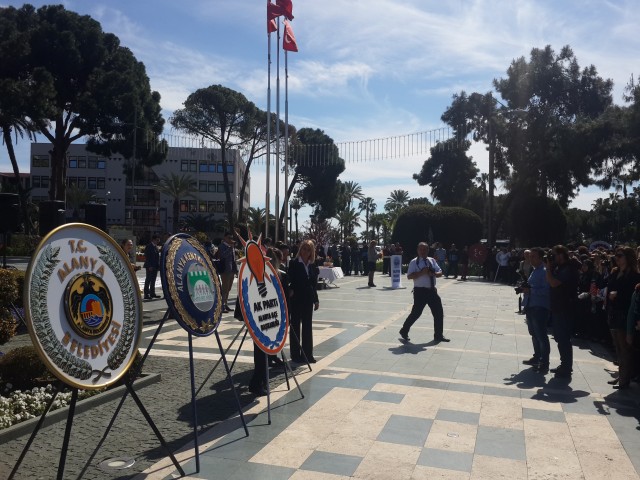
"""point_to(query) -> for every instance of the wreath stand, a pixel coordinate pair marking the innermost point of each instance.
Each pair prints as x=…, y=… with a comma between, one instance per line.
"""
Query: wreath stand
x=244, y=329
x=194, y=407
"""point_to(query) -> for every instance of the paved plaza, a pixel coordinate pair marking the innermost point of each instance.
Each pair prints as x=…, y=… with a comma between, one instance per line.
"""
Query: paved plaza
x=375, y=408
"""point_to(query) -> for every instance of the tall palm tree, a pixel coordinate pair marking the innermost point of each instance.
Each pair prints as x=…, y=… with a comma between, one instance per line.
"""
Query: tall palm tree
x=397, y=200
x=176, y=187
x=296, y=204
x=348, y=220
x=369, y=206
x=352, y=191
x=78, y=197
x=256, y=219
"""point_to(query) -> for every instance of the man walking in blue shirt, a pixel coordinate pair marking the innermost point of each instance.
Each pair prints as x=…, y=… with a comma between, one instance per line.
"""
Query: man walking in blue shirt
x=537, y=310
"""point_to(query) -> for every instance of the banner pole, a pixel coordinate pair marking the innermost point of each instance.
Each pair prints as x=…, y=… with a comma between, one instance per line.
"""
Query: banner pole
x=266, y=367
x=286, y=144
x=277, y=169
x=268, y=180
x=194, y=406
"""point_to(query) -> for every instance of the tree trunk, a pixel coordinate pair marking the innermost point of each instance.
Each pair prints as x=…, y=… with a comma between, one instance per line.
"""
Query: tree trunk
x=225, y=177
x=287, y=195
x=22, y=198
x=297, y=226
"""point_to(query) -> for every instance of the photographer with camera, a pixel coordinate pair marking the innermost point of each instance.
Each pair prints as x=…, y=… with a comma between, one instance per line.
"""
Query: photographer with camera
x=536, y=302
x=562, y=276
x=424, y=270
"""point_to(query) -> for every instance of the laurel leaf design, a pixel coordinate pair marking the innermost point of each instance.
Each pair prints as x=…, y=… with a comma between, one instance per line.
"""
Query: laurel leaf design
x=127, y=334
x=57, y=353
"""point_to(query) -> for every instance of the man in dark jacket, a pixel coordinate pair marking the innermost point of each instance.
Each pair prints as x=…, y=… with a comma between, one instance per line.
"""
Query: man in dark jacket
x=151, y=265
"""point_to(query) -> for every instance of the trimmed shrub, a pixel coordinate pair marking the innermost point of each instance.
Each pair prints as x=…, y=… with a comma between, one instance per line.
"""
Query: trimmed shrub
x=10, y=291
x=447, y=225
x=22, y=368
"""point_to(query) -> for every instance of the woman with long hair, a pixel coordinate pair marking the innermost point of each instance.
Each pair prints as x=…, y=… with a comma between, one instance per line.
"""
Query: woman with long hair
x=620, y=288
x=303, y=300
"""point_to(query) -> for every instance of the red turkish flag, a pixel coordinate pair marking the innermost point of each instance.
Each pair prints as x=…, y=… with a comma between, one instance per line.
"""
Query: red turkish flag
x=287, y=7
x=289, y=40
x=273, y=11
x=272, y=26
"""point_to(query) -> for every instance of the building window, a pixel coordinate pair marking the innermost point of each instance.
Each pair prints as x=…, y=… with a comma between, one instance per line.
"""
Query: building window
x=184, y=206
x=219, y=168
x=230, y=168
x=100, y=183
x=203, y=186
x=220, y=207
x=184, y=165
x=92, y=184
x=40, y=161
x=202, y=207
x=82, y=162
x=193, y=165
x=102, y=164
x=221, y=187
x=212, y=187
x=73, y=162
x=204, y=167
x=212, y=168
x=44, y=182
x=35, y=182
x=82, y=182
x=212, y=207
x=92, y=162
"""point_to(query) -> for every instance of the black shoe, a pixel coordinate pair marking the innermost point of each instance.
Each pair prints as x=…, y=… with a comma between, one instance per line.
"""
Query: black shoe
x=622, y=386
x=372, y=285
x=441, y=339
x=613, y=382
x=561, y=372
x=147, y=297
x=296, y=359
x=542, y=368
x=533, y=361
x=312, y=360
x=258, y=391
x=404, y=335
x=276, y=362
x=561, y=369
x=156, y=296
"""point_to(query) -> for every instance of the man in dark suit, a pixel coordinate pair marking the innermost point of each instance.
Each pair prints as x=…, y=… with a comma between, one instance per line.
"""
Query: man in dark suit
x=151, y=265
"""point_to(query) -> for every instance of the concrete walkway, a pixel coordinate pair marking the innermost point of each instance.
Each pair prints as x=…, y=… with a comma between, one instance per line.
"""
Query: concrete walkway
x=375, y=408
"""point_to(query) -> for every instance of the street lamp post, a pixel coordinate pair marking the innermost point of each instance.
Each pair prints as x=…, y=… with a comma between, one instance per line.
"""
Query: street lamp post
x=492, y=159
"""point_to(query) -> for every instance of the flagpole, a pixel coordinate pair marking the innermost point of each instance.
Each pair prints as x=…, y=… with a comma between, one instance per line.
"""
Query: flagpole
x=286, y=144
x=267, y=199
x=277, y=172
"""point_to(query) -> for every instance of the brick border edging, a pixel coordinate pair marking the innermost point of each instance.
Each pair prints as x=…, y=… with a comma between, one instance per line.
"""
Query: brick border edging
x=19, y=429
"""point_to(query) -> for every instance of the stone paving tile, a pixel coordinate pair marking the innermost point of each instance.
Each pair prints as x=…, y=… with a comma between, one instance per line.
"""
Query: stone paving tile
x=501, y=443
x=446, y=459
x=405, y=430
x=334, y=463
x=469, y=418
x=384, y=397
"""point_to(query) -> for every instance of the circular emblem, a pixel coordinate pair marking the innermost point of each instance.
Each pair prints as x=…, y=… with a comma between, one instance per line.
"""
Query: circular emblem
x=191, y=285
x=83, y=307
x=262, y=300
x=397, y=260
x=88, y=305
x=478, y=253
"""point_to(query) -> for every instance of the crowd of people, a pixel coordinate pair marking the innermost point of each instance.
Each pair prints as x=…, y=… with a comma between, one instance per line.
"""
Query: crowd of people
x=593, y=295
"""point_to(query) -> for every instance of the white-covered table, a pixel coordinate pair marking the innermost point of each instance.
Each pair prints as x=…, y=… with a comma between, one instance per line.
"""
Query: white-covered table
x=330, y=274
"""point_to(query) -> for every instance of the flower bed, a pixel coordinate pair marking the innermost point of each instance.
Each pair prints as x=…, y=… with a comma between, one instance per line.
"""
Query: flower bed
x=20, y=406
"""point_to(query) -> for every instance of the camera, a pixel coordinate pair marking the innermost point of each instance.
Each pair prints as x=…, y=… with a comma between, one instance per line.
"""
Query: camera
x=550, y=257
x=519, y=288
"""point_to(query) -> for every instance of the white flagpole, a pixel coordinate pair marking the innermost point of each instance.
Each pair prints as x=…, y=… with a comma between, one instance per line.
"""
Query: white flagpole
x=286, y=144
x=267, y=199
x=277, y=172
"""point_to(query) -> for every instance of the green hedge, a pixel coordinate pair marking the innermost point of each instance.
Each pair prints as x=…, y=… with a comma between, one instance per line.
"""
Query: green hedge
x=447, y=225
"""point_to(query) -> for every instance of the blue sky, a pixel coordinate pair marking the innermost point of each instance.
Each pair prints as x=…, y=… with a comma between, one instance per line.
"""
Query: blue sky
x=366, y=68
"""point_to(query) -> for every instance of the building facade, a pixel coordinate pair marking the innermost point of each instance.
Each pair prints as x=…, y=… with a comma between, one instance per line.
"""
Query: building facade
x=134, y=201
